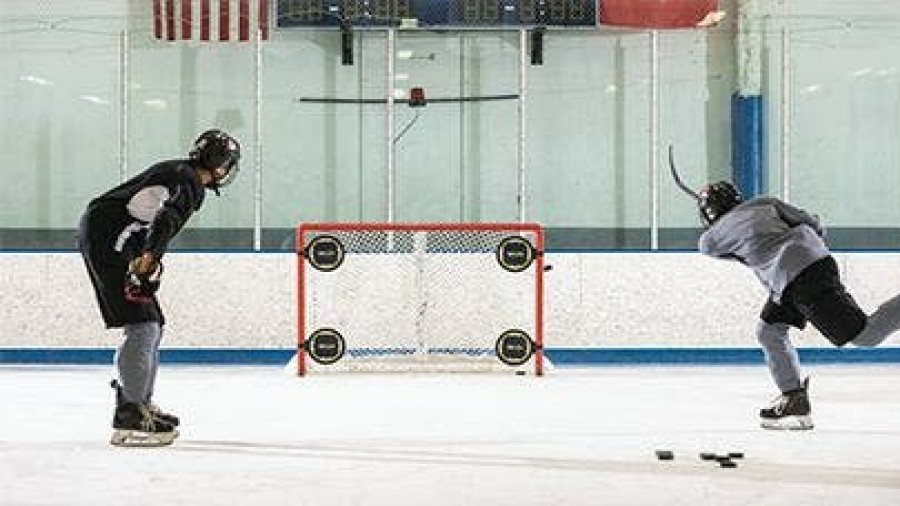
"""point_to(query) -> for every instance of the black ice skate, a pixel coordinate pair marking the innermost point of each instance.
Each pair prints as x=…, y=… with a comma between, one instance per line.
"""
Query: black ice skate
x=790, y=410
x=159, y=414
x=154, y=409
x=135, y=425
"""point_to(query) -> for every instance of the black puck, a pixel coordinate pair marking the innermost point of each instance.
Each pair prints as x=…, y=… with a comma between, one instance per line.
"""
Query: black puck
x=727, y=463
x=665, y=455
x=735, y=455
x=708, y=456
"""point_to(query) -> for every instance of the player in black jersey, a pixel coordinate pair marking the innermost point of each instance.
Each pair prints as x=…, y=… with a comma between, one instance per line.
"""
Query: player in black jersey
x=123, y=236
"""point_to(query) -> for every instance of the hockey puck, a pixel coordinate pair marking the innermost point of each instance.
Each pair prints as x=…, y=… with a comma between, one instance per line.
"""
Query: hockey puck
x=665, y=455
x=520, y=373
x=708, y=456
x=735, y=455
x=727, y=463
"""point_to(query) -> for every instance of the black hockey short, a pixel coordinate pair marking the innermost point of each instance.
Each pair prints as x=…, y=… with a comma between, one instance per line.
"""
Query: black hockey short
x=818, y=296
x=107, y=269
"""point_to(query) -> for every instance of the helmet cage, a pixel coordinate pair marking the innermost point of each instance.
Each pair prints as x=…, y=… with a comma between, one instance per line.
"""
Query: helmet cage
x=716, y=200
x=219, y=153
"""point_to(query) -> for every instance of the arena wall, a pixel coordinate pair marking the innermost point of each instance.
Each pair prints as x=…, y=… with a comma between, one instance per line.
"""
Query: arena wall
x=663, y=305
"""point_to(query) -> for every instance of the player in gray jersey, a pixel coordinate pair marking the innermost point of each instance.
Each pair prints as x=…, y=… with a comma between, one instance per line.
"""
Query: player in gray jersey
x=785, y=247
x=123, y=236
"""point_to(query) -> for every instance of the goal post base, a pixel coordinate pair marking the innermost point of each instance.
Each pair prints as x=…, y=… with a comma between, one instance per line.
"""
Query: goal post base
x=394, y=367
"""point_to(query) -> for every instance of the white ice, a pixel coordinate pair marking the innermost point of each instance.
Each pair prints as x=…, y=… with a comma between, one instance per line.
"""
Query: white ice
x=258, y=436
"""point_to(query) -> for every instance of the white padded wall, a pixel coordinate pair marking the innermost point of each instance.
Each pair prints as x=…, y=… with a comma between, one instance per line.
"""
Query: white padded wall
x=592, y=300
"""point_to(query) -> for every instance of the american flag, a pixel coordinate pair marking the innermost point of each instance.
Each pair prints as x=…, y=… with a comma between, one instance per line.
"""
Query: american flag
x=210, y=20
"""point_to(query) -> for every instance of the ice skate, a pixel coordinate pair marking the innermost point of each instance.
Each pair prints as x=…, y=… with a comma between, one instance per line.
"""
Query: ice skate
x=159, y=414
x=137, y=424
x=789, y=411
x=155, y=410
x=134, y=425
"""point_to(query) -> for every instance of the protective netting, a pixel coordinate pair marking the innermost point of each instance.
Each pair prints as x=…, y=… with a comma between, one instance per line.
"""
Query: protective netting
x=407, y=298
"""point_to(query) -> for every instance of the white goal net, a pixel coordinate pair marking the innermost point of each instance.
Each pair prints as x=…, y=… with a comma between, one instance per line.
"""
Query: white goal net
x=420, y=297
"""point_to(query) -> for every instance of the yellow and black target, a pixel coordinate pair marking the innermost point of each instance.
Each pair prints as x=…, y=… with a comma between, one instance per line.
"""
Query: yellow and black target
x=325, y=253
x=515, y=254
x=514, y=347
x=326, y=346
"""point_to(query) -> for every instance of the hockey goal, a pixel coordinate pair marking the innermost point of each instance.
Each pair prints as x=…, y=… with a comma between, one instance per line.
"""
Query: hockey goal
x=452, y=297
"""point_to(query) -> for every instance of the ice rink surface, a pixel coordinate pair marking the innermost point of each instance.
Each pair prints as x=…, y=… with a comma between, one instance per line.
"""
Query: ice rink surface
x=259, y=436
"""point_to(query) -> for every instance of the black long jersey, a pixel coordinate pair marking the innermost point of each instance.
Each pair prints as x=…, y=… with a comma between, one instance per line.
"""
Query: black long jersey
x=159, y=201
x=141, y=214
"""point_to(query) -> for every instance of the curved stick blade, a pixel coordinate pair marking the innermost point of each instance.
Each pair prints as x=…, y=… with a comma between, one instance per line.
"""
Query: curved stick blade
x=685, y=188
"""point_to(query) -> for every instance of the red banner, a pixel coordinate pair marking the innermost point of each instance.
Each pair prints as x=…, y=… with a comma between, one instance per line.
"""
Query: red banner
x=660, y=13
x=228, y=19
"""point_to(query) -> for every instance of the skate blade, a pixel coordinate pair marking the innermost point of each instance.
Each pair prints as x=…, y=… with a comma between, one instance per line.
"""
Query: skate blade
x=142, y=439
x=788, y=423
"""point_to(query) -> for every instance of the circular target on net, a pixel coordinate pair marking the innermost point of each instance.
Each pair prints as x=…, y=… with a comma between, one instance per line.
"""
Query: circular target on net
x=325, y=253
x=514, y=347
x=515, y=254
x=326, y=346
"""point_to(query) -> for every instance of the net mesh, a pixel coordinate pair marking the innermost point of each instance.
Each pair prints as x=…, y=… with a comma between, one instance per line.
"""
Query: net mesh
x=410, y=299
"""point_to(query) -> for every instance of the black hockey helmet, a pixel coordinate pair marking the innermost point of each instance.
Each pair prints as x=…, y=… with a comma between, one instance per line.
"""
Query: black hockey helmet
x=218, y=152
x=716, y=199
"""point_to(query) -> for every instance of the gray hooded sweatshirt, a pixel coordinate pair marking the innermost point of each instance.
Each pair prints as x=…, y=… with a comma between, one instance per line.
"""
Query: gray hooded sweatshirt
x=775, y=239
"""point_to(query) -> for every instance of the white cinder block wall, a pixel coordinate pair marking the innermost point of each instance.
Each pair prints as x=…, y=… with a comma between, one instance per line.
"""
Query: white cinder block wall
x=247, y=300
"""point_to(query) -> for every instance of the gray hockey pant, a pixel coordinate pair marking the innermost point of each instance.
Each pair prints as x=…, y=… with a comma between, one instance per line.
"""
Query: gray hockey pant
x=781, y=356
x=882, y=323
x=137, y=360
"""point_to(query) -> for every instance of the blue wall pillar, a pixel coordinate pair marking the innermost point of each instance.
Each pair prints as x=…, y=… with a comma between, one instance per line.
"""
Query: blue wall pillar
x=747, y=144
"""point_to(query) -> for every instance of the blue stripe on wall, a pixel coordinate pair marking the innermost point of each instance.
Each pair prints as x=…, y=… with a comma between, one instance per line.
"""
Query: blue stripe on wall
x=747, y=143
x=560, y=357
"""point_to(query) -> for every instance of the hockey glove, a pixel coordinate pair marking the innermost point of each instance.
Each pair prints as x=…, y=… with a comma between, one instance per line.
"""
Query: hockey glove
x=142, y=281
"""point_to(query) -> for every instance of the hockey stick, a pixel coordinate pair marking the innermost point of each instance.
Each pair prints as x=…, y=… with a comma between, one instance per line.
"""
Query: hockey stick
x=685, y=188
